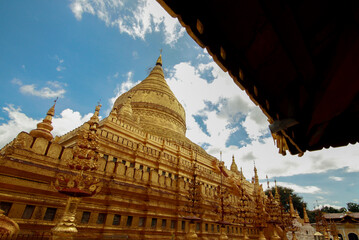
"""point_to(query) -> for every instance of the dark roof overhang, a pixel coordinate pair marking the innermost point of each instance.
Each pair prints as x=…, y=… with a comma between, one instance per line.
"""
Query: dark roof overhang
x=298, y=60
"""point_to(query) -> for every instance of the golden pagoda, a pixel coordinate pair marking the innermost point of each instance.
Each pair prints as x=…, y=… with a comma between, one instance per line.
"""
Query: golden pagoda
x=134, y=172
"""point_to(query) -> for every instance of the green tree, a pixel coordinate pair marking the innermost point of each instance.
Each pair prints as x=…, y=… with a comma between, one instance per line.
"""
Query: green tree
x=329, y=209
x=353, y=207
x=312, y=215
x=284, y=193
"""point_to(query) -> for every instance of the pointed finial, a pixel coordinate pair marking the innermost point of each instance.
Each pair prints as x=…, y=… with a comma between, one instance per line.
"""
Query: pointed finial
x=159, y=60
x=51, y=111
x=267, y=181
x=44, y=128
x=220, y=156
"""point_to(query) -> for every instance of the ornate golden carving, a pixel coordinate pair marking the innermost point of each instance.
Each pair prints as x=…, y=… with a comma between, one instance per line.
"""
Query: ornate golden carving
x=66, y=228
x=76, y=184
x=8, y=227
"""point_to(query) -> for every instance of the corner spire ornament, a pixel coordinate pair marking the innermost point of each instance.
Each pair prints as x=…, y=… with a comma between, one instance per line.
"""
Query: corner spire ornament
x=256, y=179
x=44, y=128
x=85, y=157
x=94, y=120
x=79, y=183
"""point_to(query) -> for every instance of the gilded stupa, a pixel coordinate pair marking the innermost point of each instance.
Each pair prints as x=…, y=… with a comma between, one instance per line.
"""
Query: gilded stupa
x=128, y=176
x=155, y=106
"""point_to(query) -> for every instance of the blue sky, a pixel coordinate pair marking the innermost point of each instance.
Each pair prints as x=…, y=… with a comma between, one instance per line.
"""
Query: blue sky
x=85, y=51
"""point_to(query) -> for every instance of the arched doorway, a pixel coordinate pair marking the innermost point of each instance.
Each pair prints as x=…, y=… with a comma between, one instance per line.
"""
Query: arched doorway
x=340, y=236
x=353, y=236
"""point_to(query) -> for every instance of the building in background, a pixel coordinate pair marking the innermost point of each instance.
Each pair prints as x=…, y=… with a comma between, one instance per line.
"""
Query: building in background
x=347, y=224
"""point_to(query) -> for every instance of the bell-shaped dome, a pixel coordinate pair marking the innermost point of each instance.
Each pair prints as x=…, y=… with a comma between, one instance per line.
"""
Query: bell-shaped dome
x=154, y=104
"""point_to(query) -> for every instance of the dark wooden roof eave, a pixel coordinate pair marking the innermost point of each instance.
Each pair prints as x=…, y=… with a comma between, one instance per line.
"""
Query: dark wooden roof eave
x=292, y=75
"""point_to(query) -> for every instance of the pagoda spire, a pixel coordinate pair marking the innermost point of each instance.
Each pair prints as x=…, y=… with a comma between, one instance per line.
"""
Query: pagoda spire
x=256, y=180
x=149, y=100
x=159, y=59
x=291, y=207
x=234, y=167
x=44, y=128
x=305, y=215
x=157, y=75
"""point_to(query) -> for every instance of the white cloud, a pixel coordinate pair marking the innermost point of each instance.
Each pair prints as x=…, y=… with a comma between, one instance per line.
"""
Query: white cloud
x=135, y=55
x=68, y=120
x=256, y=124
x=44, y=92
x=122, y=88
x=338, y=179
x=222, y=120
x=16, y=81
x=56, y=84
x=270, y=162
x=60, y=61
x=60, y=68
x=136, y=18
x=19, y=121
x=301, y=189
x=320, y=206
x=296, y=188
x=57, y=89
x=116, y=75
